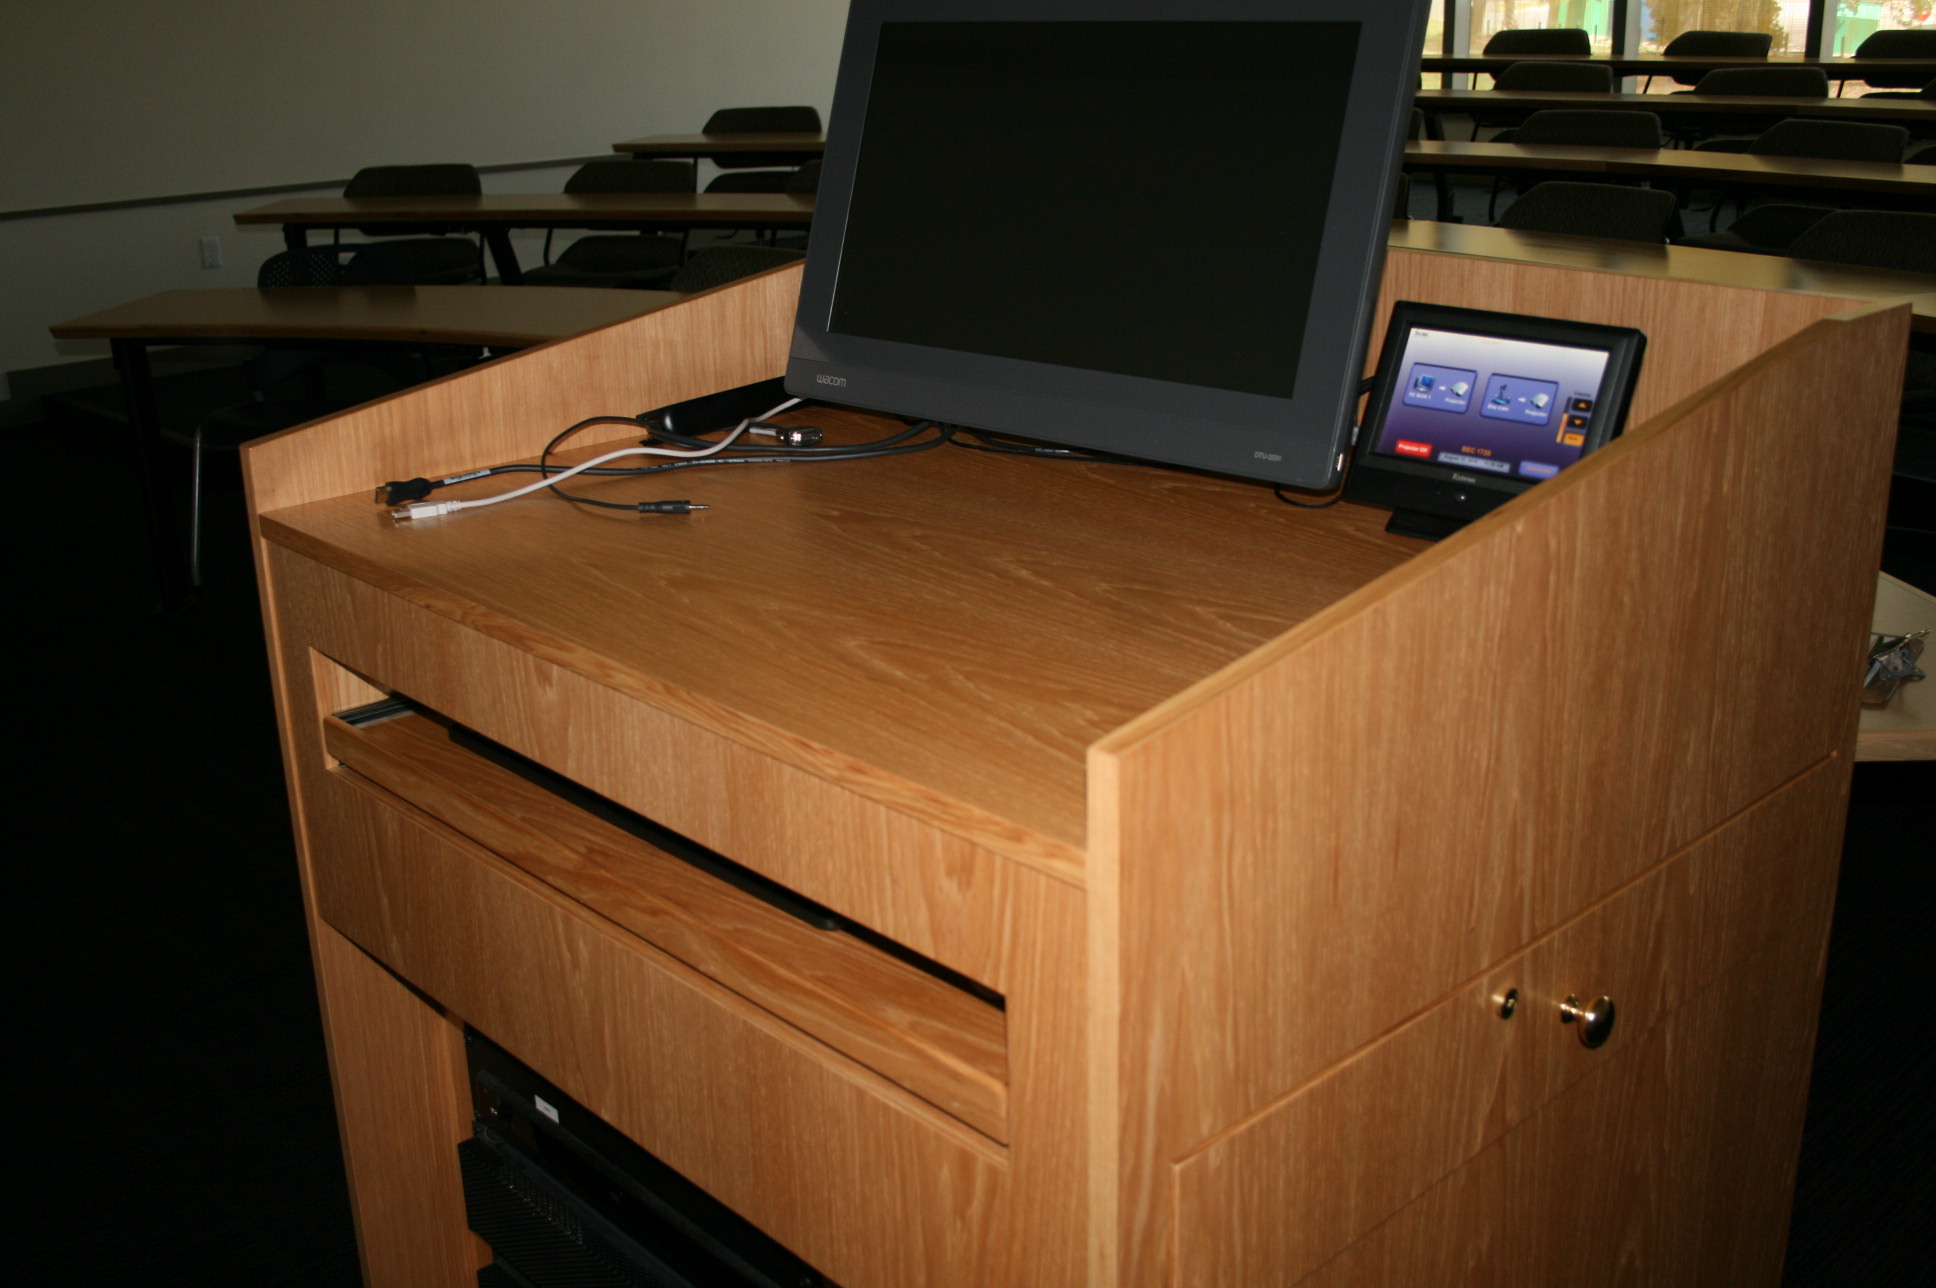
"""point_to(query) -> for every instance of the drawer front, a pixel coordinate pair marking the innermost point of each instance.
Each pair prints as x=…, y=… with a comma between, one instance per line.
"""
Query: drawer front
x=936, y=893
x=1278, y=1196
x=739, y=1101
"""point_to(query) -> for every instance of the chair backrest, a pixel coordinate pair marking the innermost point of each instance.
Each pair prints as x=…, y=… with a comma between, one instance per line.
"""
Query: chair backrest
x=411, y=181
x=1919, y=43
x=328, y=266
x=1720, y=44
x=1540, y=40
x=1716, y=44
x=1839, y=140
x=760, y=120
x=414, y=181
x=1593, y=210
x=751, y=181
x=1783, y=82
x=805, y=179
x=1900, y=240
x=1922, y=156
x=1592, y=129
x=1587, y=77
x=633, y=176
x=717, y=265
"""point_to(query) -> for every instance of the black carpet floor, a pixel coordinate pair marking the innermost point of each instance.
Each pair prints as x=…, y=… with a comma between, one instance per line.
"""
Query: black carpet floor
x=169, y=1068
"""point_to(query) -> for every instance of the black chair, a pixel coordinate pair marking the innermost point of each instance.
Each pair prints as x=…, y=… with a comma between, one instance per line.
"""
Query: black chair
x=380, y=370
x=1774, y=82
x=1535, y=77
x=1537, y=41
x=754, y=171
x=1833, y=140
x=717, y=265
x=1753, y=82
x=1926, y=94
x=1713, y=44
x=1918, y=43
x=1579, y=128
x=441, y=259
x=1903, y=241
x=1770, y=227
x=1762, y=230
x=1593, y=210
x=1922, y=156
x=623, y=260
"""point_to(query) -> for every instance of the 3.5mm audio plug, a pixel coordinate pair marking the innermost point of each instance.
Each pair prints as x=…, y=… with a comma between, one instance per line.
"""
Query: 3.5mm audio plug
x=670, y=507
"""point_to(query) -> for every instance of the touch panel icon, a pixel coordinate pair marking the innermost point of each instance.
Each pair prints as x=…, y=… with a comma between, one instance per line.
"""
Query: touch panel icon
x=1516, y=398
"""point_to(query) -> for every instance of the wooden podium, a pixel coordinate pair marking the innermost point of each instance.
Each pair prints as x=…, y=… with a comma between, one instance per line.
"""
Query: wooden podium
x=1275, y=847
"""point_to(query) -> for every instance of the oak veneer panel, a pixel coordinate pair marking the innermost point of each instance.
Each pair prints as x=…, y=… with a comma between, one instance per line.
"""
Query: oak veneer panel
x=839, y=617
x=739, y=1103
x=508, y=409
x=1373, y=1134
x=1696, y=331
x=937, y=1040
x=921, y=887
x=1404, y=789
x=402, y=1106
x=1671, y=1163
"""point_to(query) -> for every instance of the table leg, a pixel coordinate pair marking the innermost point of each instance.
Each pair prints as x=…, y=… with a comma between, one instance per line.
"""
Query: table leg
x=506, y=259
x=295, y=236
x=144, y=424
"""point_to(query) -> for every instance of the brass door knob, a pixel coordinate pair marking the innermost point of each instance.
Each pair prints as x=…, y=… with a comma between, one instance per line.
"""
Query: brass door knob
x=1595, y=1021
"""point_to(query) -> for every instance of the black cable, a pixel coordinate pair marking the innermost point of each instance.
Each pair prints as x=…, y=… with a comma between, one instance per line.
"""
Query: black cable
x=893, y=445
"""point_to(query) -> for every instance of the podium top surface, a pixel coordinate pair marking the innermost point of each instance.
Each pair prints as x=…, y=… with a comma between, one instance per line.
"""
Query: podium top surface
x=849, y=607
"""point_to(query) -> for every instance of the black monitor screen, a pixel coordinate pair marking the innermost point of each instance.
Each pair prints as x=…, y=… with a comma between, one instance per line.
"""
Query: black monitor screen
x=1152, y=228
x=1088, y=183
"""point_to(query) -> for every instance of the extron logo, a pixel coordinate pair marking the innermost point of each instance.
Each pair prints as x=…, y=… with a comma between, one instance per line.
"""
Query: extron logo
x=836, y=381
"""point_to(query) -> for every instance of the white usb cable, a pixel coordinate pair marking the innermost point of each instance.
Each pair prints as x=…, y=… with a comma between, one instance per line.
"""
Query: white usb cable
x=431, y=509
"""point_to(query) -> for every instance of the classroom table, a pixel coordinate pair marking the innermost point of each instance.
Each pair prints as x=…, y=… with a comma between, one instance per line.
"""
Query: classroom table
x=1681, y=168
x=323, y=314
x=1679, y=165
x=1900, y=111
x=494, y=215
x=803, y=144
x=1838, y=69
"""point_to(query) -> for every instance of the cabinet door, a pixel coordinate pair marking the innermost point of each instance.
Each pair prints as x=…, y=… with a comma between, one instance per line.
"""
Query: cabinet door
x=1485, y=1142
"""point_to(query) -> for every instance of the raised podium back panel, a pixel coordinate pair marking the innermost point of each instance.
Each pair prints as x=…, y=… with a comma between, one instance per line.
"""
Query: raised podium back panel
x=1352, y=822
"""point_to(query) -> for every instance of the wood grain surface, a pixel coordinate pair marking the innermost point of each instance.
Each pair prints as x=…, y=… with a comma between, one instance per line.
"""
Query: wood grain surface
x=1421, y=1102
x=543, y=210
x=802, y=143
x=942, y=1043
x=1902, y=111
x=510, y=316
x=1293, y=830
x=1688, y=265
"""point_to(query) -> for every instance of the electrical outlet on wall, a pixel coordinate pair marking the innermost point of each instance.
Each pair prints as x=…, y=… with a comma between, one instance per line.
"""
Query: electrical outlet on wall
x=211, y=252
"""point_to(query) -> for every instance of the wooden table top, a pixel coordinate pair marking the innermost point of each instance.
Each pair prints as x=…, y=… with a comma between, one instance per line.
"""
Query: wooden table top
x=1683, y=263
x=800, y=143
x=512, y=316
x=1844, y=109
x=1679, y=163
x=557, y=209
x=1659, y=65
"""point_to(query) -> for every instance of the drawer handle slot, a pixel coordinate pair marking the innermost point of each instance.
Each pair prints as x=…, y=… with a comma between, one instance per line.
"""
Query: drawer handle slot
x=1595, y=1020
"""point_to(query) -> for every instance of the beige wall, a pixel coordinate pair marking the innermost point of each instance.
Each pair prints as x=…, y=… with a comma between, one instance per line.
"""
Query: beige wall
x=115, y=100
